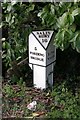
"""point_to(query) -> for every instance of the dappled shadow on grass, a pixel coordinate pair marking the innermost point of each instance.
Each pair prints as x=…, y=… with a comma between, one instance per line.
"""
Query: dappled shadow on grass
x=65, y=92
x=57, y=100
x=16, y=98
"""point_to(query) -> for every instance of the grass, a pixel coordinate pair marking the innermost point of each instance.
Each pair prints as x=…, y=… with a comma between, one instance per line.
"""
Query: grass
x=60, y=102
x=16, y=98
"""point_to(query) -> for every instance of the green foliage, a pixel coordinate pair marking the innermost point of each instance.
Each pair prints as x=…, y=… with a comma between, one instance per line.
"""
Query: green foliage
x=62, y=18
x=75, y=41
x=48, y=15
x=8, y=90
x=14, y=80
x=63, y=103
x=19, y=19
x=66, y=105
x=14, y=18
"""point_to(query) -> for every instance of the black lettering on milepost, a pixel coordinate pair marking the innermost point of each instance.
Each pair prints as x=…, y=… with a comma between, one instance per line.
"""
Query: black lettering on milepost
x=36, y=58
x=44, y=40
x=36, y=54
x=43, y=34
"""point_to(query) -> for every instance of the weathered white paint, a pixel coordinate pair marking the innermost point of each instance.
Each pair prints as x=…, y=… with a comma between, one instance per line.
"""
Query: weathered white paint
x=37, y=54
x=42, y=56
x=39, y=76
x=43, y=76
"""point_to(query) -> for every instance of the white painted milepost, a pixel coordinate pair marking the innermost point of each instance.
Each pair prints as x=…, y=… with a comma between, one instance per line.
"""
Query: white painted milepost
x=42, y=56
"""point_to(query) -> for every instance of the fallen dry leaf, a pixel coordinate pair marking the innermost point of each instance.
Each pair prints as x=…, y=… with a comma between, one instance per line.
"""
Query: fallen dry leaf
x=37, y=114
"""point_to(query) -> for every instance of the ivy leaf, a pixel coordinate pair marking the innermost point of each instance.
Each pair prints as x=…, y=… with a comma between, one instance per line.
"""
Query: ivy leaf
x=73, y=40
x=62, y=21
x=76, y=12
x=71, y=19
x=59, y=38
x=50, y=20
x=43, y=14
x=9, y=7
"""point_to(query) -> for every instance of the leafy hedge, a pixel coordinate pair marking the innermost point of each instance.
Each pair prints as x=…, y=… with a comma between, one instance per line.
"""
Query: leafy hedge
x=20, y=18
x=64, y=19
